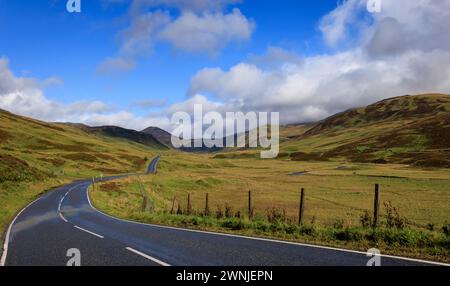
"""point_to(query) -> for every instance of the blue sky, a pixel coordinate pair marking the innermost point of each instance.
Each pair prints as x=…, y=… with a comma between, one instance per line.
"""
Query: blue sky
x=44, y=40
x=64, y=53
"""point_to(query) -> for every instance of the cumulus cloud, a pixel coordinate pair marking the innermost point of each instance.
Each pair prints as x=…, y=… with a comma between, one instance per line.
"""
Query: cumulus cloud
x=335, y=25
x=202, y=26
x=149, y=103
x=137, y=39
x=207, y=32
x=115, y=65
x=403, y=51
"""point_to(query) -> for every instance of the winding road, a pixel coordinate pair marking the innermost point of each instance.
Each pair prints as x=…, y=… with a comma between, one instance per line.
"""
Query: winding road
x=63, y=219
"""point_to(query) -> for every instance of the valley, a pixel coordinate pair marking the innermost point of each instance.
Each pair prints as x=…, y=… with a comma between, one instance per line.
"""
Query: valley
x=400, y=143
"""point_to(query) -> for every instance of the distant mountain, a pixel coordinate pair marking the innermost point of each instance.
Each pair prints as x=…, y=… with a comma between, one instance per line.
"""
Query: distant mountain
x=128, y=134
x=166, y=138
x=159, y=134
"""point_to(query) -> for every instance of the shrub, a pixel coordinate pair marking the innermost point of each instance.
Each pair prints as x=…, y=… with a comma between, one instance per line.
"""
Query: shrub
x=366, y=219
x=262, y=226
x=276, y=227
x=349, y=234
x=307, y=230
x=219, y=212
x=446, y=229
x=393, y=218
x=251, y=213
x=407, y=237
x=234, y=224
x=276, y=215
x=179, y=210
x=338, y=224
x=290, y=228
x=207, y=212
x=228, y=211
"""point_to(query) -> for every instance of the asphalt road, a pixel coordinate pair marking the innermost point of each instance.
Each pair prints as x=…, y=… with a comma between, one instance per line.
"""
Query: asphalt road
x=64, y=219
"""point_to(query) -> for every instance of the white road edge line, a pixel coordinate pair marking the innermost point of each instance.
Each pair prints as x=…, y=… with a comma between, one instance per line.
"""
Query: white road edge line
x=265, y=239
x=62, y=217
x=8, y=233
x=64, y=197
x=90, y=232
x=147, y=256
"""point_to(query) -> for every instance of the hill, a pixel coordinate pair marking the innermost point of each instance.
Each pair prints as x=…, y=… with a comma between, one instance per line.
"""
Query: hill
x=159, y=134
x=406, y=129
x=32, y=149
x=128, y=134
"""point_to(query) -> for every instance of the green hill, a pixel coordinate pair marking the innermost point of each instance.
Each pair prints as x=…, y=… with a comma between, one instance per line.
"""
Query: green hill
x=32, y=149
x=408, y=130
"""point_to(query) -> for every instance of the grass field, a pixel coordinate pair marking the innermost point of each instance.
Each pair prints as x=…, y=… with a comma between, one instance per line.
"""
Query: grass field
x=337, y=195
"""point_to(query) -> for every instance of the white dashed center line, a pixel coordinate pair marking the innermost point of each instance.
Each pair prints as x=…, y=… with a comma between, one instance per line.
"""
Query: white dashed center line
x=147, y=256
x=90, y=232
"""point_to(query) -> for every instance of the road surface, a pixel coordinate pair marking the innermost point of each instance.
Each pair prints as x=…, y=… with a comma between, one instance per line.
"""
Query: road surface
x=64, y=219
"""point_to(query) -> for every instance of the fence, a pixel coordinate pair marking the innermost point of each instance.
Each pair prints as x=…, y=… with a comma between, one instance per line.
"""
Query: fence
x=178, y=206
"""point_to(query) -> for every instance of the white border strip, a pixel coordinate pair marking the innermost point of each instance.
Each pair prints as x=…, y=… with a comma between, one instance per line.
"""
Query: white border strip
x=8, y=233
x=147, y=256
x=265, y=239
x=90, y=232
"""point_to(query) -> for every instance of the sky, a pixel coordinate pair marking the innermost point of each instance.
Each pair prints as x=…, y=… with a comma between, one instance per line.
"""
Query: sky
x=134, y=63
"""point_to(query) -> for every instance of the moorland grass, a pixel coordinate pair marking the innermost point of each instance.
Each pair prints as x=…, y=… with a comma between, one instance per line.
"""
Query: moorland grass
x=338, y=207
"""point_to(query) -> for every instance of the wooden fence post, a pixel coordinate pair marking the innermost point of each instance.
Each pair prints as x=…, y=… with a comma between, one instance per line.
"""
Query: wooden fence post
x=207, y=205
x=145, y=204
x=189, y=204
x=376, y=206
x=302, y=206
x=173, y=205
x=250, y=210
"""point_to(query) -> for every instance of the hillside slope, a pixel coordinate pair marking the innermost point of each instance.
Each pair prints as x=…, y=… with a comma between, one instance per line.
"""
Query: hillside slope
x=128, y=134
x=31, y=149
x=407, y=129
x=159, y=134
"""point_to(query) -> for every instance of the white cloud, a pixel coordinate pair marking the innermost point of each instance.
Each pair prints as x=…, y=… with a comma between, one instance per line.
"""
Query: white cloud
x=137, y=39
x=201, y=26
x=404, y=51
x=114, y=65
x=324, y=85
x=334, y=25
x=207, y=32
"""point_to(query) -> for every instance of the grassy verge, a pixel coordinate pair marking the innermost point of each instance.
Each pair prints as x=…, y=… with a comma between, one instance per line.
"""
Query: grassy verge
x=335, y=212
x=431, y=245
x=406, y=242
